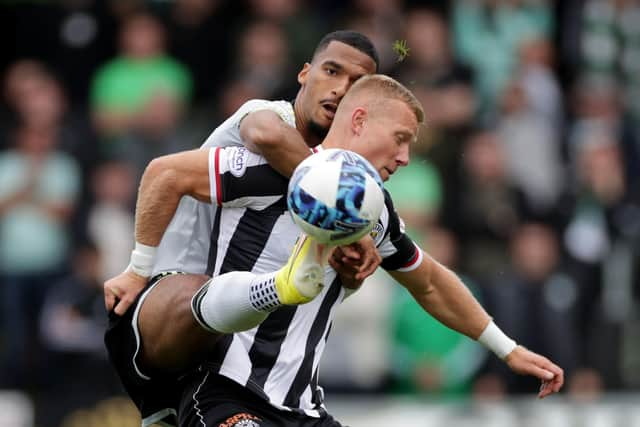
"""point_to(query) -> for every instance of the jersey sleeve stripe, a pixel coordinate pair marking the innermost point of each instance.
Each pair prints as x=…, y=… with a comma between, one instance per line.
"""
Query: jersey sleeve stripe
x=414, y=262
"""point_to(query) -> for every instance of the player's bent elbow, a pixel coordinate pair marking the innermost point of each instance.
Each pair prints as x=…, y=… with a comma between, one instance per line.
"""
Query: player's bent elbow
x=263, y=129
x=262, y=139
x=155, y=168
x=163, y=174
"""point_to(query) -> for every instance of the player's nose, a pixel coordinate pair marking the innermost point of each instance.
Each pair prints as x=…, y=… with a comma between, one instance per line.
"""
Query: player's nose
x=341, y=87
x=403, y=156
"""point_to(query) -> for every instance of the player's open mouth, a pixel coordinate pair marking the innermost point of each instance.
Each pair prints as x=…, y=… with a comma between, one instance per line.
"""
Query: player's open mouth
x=330, y=108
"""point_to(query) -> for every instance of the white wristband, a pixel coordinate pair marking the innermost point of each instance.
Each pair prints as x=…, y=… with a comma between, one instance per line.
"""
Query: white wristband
x=143, y=257
x=495, y=340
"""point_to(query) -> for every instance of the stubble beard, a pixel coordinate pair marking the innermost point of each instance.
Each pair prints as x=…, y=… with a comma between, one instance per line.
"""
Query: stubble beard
x=318, y=130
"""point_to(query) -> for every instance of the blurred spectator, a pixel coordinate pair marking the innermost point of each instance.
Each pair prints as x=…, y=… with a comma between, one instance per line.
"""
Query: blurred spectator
x=596, y=103
x=139, y=98
x=430, y=66
x=110, y=221
x=428, y=358
x=530, y=125
x=610, y=46
x=381, y=21
x=487, y=35
x=536, y=303
x=533, y=152
x=602, y=238
x=72, y=326
x=539, y=83
x=601, y=196
x=449, y=109
x=263, y=57
x=142, y=84
x=443, y=86
x=73, y=318
x=487, y=208
x=196, y=29
x=38, y=189
x=302, y=27
x=430, y=60
x=37, y=100
x=21, y=79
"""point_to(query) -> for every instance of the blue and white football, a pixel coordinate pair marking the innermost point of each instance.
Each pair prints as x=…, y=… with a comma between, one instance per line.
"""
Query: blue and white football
x=335, y=196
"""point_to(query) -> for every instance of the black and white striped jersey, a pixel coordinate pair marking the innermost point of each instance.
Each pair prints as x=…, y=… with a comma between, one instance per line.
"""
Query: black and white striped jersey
x=247, y=228
x=186, y=243
x=254, y=232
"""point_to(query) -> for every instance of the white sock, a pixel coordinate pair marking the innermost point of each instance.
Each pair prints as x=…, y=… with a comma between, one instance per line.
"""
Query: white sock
x=235, y=302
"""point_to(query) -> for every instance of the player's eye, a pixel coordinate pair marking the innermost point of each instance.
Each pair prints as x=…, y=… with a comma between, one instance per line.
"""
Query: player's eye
x=331, y=71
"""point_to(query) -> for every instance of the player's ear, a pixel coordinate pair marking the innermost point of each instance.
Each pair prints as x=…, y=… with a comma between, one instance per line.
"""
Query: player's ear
x=358, y=119
x=302, y=75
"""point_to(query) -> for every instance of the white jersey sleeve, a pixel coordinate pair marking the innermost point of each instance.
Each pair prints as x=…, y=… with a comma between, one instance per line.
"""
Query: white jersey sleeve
x=228, y=133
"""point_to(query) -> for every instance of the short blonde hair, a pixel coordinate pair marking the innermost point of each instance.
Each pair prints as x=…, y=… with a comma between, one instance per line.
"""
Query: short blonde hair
x=383, y=87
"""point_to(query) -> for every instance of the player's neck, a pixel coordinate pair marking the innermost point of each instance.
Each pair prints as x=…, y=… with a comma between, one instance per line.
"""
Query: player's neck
x=338, y=137
x=311, y=137
x=331, y=142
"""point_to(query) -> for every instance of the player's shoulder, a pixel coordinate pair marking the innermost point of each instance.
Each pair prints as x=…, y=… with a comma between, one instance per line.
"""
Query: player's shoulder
x=228, y=132
x=389, y=208
x=282, y=108
x=389, y=223
x=265, y=103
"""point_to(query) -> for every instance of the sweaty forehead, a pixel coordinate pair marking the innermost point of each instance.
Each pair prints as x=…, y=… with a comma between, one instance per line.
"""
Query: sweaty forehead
x=354, y=61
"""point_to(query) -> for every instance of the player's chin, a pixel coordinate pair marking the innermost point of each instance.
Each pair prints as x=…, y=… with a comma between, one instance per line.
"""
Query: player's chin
x=325, y=117
x=324, y=123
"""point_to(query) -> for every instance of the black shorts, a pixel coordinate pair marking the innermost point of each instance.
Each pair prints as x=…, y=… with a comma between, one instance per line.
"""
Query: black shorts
x=156, y=396
x=214, y=400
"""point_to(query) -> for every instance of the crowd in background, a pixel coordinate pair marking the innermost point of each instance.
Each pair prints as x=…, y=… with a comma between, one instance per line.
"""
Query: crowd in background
x=525, y=181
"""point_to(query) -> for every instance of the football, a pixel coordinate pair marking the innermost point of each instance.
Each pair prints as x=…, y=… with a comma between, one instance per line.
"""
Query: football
x=335, y=196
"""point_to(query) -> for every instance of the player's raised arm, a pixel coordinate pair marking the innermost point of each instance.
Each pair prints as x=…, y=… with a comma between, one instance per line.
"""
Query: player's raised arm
x=282, y=145
x=442, y=294
x=165, y=180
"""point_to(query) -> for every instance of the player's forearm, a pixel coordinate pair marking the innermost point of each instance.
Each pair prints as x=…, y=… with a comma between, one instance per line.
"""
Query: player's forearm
x=443, y=295
x=157, y=202
x=282, y=145
x=286, y=155
x=453, y=304
x=165, y=181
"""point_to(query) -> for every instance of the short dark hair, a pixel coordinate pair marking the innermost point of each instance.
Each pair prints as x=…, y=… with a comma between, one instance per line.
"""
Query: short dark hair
x=353, y=39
